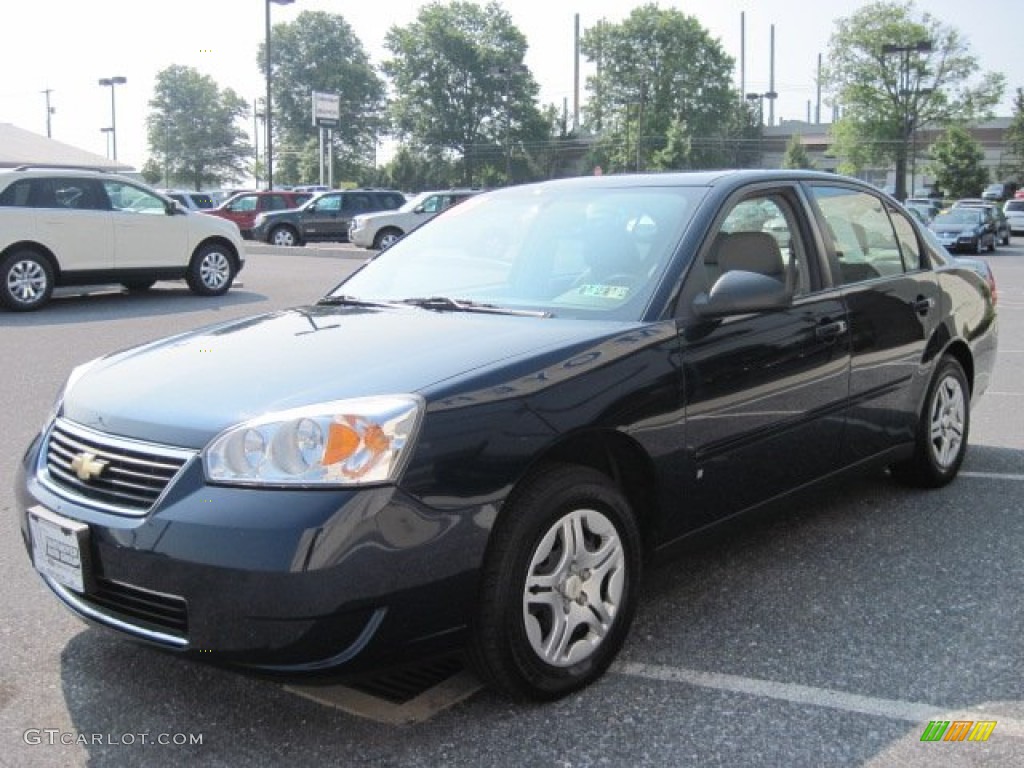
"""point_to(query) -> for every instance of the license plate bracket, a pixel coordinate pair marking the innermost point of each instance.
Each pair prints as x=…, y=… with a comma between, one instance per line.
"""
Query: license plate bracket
x=60, y=549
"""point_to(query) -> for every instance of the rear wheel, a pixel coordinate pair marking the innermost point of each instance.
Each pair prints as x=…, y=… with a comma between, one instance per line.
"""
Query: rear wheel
x=26, y=280
x=559, y=585
x=211, y=270
x=942, y=430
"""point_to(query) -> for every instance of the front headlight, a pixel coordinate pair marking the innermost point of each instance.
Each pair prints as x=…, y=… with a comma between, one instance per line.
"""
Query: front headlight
x=346, y=442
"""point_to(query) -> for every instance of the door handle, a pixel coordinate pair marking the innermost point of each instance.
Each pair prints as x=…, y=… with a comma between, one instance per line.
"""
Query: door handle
x=923, y=305
x=830, y=331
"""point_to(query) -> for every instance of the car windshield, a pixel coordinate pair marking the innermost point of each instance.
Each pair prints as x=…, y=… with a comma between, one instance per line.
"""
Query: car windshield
x=417, y=200
x=585, y=253
x=959, y=217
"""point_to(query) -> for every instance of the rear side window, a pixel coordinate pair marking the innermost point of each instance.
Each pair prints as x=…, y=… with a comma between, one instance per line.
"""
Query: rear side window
x=863, y=238
x=16, y=194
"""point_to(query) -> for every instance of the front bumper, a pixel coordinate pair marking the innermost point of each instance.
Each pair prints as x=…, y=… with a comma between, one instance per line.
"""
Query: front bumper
x=282, y=579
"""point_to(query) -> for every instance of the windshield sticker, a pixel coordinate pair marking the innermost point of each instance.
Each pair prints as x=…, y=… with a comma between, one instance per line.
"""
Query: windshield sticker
x=604, y=291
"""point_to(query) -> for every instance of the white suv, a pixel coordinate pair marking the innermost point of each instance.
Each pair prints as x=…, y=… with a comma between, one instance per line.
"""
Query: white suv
x=77, y=227
x=379, y=230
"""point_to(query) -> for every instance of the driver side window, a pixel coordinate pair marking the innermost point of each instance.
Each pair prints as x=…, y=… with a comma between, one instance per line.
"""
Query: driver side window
x=759, y=234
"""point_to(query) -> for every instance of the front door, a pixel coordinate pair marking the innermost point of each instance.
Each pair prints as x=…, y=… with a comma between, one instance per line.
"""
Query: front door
x=766, y=392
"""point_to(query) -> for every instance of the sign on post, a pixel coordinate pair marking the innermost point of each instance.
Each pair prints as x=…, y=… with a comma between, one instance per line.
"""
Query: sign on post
x=326, y=109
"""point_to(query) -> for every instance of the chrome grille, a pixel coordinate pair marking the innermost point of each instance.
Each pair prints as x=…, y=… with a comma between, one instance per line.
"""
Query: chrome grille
x=133, y=477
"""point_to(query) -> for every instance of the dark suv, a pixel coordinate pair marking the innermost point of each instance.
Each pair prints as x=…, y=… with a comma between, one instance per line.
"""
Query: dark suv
x=325, y=217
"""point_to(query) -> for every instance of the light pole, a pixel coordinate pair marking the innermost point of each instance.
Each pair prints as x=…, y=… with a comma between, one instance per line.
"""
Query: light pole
x=906, y=99
x=268, y=150
x=108, y=130
x=112, y=82
x=759, y=98
x=507, y=71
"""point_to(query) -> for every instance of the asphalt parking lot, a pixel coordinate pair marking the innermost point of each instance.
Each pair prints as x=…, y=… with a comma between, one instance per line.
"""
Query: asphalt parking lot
x=830, y=633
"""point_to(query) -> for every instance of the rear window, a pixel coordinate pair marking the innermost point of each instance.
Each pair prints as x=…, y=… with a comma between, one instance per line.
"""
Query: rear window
x=1014, y=205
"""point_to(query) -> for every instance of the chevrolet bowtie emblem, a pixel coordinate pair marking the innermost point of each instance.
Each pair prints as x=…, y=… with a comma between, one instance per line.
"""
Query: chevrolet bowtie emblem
x=87, y=466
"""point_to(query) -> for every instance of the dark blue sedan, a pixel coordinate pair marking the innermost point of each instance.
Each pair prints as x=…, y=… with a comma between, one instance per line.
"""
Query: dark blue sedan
x=484, y=435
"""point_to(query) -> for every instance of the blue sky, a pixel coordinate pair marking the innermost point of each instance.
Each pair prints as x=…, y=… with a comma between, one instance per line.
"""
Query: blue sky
x=68, y=46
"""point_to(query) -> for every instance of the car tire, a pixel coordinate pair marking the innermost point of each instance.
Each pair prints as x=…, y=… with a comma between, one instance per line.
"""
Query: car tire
x=283, y=236
x=211, y=271
x=386, y=238
x=26, y=280
x=942, y=430
x=564, y=561
x=1006, y=238
x=138, y=286
x=992, y=245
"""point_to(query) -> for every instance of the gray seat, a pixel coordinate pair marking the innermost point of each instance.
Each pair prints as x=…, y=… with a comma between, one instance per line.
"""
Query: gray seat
x=752, y=252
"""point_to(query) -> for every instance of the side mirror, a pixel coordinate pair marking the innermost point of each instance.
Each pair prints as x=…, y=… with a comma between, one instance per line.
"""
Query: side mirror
x=738, y=292
x=418, y=209
x=174, y=208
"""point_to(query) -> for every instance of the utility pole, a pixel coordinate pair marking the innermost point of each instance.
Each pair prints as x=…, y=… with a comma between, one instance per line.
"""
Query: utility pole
x=49, y=111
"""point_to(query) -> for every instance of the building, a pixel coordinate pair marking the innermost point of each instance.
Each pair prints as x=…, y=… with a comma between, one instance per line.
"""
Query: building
x=21, y=147
x=817, y=140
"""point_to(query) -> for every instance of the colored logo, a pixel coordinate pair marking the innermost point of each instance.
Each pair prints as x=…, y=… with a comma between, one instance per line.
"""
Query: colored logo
x=958, y=730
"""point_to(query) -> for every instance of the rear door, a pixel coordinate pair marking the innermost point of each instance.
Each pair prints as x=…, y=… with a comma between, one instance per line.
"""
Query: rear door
x=74, y=221
x=893, y=299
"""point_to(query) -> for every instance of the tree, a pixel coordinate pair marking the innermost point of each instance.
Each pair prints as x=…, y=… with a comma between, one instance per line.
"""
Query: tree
x=891, y=73
x=461, y=86
x=193, y=129
x=662, y=94
x=1015, y=139
x=957, y=164
x=796, y=154
x=320, y=52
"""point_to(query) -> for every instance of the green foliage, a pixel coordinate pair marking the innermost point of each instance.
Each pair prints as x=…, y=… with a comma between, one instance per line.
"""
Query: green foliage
x=1015, y=140
x=194, y=129
x=662, y=95
x=886, y=96
x=319, y=52
x=461, y=87
x=957, y=164
x=796, y=154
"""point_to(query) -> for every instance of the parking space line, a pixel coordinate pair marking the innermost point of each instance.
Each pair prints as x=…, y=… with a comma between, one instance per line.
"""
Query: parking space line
x=893, y=709
x=992, y=475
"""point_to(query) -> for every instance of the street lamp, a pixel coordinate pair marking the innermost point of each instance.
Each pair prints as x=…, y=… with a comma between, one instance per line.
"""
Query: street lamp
x=759, y=98
x=113, y=81
x=905, y=99
x=268, y=150
x=507, y=72
x=108, y=130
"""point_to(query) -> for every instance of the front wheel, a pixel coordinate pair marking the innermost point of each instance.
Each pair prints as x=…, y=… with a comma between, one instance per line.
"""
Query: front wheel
x=942, y=430
x=211, y=271
x=559, y=585
x=386, y=238
x=284, y=236
x=26, y=281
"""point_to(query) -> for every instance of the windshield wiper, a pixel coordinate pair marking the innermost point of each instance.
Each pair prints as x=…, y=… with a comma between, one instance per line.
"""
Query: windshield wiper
x=353, y=301
x=448, y=304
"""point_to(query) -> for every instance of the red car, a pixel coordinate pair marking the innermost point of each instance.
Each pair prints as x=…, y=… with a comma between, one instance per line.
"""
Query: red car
x=243, y=207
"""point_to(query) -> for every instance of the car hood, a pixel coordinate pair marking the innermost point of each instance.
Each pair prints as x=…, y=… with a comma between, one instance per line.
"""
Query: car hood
x=186, y=389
